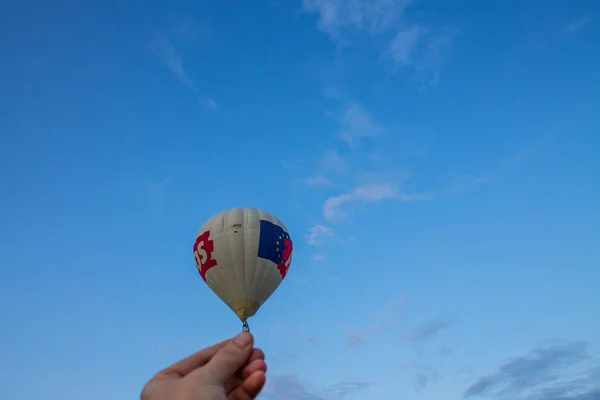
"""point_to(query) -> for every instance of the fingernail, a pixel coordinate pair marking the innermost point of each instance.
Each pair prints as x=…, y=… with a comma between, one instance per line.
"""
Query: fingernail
x=243, y=339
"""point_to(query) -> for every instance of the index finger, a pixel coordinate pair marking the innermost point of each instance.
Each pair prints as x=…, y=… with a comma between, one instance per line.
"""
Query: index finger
x=183, y=367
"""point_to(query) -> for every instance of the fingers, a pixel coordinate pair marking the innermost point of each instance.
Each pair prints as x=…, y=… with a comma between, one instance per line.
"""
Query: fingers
x=250, y=387
x=252, y=367
x=257, y=354
x=255, y=363
x=254, y=384
x=185, y=366
x=227, y=360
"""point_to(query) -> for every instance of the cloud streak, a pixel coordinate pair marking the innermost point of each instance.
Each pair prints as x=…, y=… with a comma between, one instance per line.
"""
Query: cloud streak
x=336, y=17
x=318, y=180
x=423, y=48
x=423, y=376
x=318, y=234
x=290, y=387
x=308, y=338
x=403, y=44
x=547, y=373
x=318, y=258
x=355, y=340
x=357, y=125
x=333, y=207
x=168, y=54
x=428, y=330
x=577, y=25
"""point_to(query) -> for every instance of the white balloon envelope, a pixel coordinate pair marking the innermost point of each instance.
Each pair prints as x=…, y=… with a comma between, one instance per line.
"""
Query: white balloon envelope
x=243, y=254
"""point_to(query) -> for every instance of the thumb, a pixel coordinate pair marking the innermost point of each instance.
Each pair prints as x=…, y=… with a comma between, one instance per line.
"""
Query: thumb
x=231, y=357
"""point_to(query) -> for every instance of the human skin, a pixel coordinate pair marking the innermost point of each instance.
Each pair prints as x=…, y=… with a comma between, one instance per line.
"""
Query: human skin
x=230, y=370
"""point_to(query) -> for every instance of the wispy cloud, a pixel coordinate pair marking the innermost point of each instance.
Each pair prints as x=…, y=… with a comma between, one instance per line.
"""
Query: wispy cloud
x=436, y=54
x=335, y=17
x=318, y=180
x=333, y=207
x=355, y=339
x=373, y=325
x=169, y=55
x=308, y=338
x=341, y=390
x=318, y=257
x=318, y=233
x=387, y=316
x=445, y=351
x=396, y=306
x=290, y=387
x=462, y=182
x=296, y=166
x=333, y=162
x=428, y=330
x=163, y=47
x=556, y=372
x=357, y=124
x=424, y=378
x=423, y=375
x=402, y=46
x=577, y=25
x=423, y=48
x=371, y=184
x=208, y=102
x=329, y=168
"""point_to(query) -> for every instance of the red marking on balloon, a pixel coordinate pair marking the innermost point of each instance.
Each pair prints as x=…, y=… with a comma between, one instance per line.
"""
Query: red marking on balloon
x=286, y=253
x=203, y=249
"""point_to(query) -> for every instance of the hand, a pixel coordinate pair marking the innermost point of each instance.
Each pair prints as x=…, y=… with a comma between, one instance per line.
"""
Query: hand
x=230, y=370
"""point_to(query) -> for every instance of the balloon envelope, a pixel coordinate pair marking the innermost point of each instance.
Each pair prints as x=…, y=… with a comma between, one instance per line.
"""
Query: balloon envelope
x=243, y=254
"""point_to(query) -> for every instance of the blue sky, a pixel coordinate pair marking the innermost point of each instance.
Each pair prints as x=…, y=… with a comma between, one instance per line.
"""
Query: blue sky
x=435, y=162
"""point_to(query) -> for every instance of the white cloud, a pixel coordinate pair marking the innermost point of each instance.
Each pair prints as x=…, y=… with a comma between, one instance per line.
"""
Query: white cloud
x=438, y=51
x=290, y=387
x=170, y=56
x=318, y=180
x=332, y=208
x=318, y=233
x=423, y=48
x=402, y=46
x=209, y=103
x=164, y=49
x=308, y=338
x=463, y=182
x=357, y=124
x=372, y=16
x=355, y=340
x=575, y=26
x=332, y=161
x=375, y=192
x=426, y=50
x=318, y=258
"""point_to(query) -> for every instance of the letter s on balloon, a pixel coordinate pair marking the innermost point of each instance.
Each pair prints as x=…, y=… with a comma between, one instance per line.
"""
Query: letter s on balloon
x=203, y=249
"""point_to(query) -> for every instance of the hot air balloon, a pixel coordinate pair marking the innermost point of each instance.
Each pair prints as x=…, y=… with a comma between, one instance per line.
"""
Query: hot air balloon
x=243, y=254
